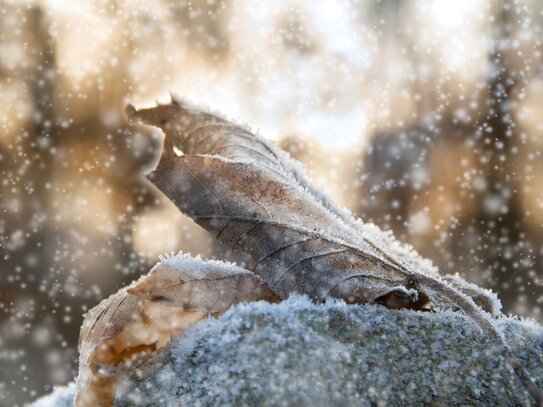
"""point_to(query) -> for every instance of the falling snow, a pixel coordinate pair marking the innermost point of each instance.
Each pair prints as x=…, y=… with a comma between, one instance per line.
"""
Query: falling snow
x=422, y=116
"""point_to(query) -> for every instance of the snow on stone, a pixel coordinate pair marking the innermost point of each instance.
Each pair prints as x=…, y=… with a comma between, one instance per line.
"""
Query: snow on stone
x=300, y=353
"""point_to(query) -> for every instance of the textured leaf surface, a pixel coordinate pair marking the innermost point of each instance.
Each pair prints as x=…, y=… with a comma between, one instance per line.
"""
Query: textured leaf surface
x=260, y=205
x=197, y=286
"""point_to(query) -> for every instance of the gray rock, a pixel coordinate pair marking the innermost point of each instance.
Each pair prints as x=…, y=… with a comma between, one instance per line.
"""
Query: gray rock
x=297, y=353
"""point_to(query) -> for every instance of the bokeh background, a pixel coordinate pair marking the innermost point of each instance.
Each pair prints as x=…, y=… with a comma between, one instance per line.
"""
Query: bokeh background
x=423, y=116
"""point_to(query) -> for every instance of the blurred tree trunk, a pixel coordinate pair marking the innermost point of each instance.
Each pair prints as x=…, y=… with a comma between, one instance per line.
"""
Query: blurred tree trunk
x=30, y=172
x=499, y=220
x=28, y=162
x=42, y=143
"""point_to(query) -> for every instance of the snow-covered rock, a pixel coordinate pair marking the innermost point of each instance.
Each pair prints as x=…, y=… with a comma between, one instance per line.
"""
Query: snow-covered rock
x=298, y=353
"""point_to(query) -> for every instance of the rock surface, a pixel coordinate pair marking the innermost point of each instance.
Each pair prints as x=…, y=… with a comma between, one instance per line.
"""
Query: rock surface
x=297, y=353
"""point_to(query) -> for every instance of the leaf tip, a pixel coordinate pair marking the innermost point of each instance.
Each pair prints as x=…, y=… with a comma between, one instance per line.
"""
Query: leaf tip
x=175, y=99
x=131, y=112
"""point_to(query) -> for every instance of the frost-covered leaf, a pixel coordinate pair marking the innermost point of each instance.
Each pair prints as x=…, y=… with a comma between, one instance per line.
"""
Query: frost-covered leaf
x=260, y=205
x=486, y=299
x=196, y=286
x=101, y=324
x=141, y=318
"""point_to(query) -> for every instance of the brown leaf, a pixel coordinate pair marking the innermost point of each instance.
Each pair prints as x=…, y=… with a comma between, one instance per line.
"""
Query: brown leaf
x=197, y=286
x=260, y=205
x=142, y=317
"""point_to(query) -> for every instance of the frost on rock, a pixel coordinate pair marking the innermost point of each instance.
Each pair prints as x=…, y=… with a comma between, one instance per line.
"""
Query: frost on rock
x=62, y=396
x=305, y=354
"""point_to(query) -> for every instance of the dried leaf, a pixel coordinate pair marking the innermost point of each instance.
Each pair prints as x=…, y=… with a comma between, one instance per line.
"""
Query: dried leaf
x=258, y=203
x=196, y=286
x=141, y=318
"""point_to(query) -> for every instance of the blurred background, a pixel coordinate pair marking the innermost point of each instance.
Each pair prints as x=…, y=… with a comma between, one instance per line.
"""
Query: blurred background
x=422, y=116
